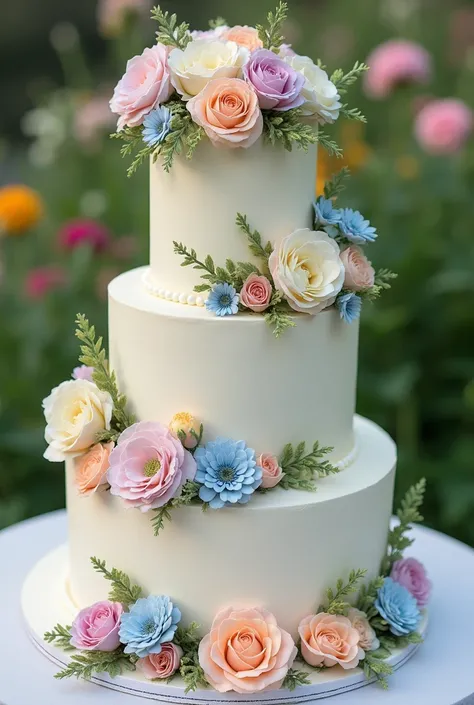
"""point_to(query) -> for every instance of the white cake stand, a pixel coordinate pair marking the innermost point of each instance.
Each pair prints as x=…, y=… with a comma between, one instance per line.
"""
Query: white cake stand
x=440, y=673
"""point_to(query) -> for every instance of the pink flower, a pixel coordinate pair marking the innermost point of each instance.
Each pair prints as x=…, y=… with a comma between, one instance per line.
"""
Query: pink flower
x=79, y=231
x=246, y=651
x=149, y=466
x=42, y=280
x=91, y=119
x=244, y=36
x=111, y=14
x=272, y=472
x=359, y=272
x=393, y=63
x=83, y=372
x=227, y=109
x=162, y=665
x=412, y=575
x=443, y=126
x=145, y=84
x=328, y=639
x=90, y=470
x=96, y=628
x=256, y=293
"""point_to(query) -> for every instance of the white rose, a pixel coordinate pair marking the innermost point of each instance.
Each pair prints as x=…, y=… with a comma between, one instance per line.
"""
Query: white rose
x=368, y=639
x=192, y=68
x=75, y=412
x=307, y=269
x=320, y=94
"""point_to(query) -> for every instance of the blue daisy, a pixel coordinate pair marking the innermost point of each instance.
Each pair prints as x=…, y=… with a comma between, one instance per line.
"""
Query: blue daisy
x=325, y=213
x=349, y=306
x=223, y=300
x=156, y=126
x=355, y=227
x=151, y=622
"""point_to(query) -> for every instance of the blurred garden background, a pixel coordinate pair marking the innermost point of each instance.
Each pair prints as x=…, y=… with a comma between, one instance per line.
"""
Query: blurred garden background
x=74, y=220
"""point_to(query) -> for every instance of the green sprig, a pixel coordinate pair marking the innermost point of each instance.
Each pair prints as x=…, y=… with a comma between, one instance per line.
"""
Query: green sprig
x=60, y=636
x=288, y=129
x=254, y=239
x=189, y=493
x=233, y=273
x=407, y=515
x=295, y=678
x=122, y=589
x=382, y=282
x=368, y=595
x=133, y=143
x=170, y=32
x=336, y=183
x=336, y=603
x=301, y=469
x=375, y=667
x=217, y=22
x=190, y=669
x=271, y=35
x=279, y=319
x=343, y=81
x=352, y=114
x=331, y=146
x=86, y=663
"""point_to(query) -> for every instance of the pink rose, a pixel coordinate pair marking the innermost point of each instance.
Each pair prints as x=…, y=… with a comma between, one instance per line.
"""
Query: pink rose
x=96, y=628
x=359, y=272
x=228, y=111
x=243, y=36
x=145, y=84
x=162, y=665
x=246, y=651
x=393, y=63
x=149, y=466
x=443, y=126
x=256, y=293
x=328, y=639
x=272, y=472
x=412, y=575
x=91, y=469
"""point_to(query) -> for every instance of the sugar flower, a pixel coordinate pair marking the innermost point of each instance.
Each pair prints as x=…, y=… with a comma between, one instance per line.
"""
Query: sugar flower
x=96, y=628
x=157, y=125
x=412, y=574
x=321, y=99
x=186, y=428
x=83, y=372
x=256, y=293
x=398, y=608
x=360, y=274
x=90, y=470
x=162, y=665
x=325, y=213
x=272, y=473
x=151, y=622
x=330, y=640
x=355, y=227
x=367, y=637
x=443, y=126
x=277, y=85
x=244, y=36
x=227, y=471
x=396, y=62
x=349, y=306
x=223, y=300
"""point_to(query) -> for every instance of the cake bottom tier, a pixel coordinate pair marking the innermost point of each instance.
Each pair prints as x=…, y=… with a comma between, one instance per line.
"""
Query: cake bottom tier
x=281, y=551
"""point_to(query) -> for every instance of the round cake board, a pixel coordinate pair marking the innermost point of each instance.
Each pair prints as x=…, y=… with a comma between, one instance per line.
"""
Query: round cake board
x=440, y=673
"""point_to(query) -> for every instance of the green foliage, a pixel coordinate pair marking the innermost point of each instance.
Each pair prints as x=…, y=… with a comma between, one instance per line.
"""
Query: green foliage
x=279, y=319
x=407, y=515
x=367, y=596
x=336, y=183
x=190, y=669
x=295, y=678
x=302, y=469
x=330, y=145
x=352, y=114
x=60, y=636
x=170, y=32
x=255, y=239
x=217, y=22
x=271, y=35
x=122, y=589
x=287, y=129
x=86, y=663
x=189, y=493
x=382, y=282
x=343, y=81
x=375, y=667
x=335, y=598
x=374, y=663
x=133, y=144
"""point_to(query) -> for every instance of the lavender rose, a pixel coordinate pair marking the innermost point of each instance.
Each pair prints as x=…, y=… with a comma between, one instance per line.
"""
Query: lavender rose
x=96, y=628
x=412, y=575
x=278, y=85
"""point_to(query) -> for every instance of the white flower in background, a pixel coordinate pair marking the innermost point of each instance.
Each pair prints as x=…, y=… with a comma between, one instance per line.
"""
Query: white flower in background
x=192, y=68
x=75, y=412
x=368, y=638
x=320, y=93
x=307, y=269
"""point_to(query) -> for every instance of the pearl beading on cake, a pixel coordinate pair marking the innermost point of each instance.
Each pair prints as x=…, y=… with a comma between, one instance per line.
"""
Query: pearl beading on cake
x=178, y=297
x=348, y=459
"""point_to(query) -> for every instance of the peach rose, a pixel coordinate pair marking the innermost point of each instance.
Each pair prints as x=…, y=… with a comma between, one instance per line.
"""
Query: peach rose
x=272, y=472
x=359, y=272
x=328, y=639
x=91, y=468
x=256, y=293
x=228, y=111
x=244, y=36
x=162, y=665
x=246, y=652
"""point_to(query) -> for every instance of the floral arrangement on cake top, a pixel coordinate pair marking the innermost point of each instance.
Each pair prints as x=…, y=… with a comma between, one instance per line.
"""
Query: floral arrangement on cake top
x=232, y=85
x=246, y=651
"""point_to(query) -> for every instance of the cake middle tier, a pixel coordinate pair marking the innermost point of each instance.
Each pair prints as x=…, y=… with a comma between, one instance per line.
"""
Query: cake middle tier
x=232, y=374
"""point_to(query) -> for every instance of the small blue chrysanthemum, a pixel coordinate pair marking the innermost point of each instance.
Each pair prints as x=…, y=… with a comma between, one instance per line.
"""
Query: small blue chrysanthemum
x=227, y=471
x=349, y=306
x=355, y=228
x=156, y=126
x=398, y=608
x=325, y=213
x=223, y=300
x=151, y=622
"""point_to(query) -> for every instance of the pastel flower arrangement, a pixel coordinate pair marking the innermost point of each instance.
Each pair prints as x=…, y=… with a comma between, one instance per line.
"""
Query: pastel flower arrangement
x=230, y=84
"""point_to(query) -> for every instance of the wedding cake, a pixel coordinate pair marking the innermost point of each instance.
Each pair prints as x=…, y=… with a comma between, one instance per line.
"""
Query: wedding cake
x=217, y=476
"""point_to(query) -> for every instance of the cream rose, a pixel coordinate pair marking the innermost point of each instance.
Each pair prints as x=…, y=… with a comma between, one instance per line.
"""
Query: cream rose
x=367, y=636
x=202, y=60
x=75, y=412
x=307, y=269
x=244, y=36
x=359, y=272
x=91, y=468
x=328, y=639
x=320, y=93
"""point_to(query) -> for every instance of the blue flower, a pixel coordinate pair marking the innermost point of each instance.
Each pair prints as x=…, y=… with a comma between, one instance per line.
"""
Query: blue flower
x=223, y=300
x=398, y=607
x=156, y=126
x=227, y=471
x=355, y=228
x=151, y=622
x=349, y=306
x=325, y=213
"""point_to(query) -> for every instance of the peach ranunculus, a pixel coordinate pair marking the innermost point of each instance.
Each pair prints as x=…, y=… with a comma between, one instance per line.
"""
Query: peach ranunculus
x=359, y=272
x=186, y=428
x=244, y=36
x=272, y=472
x=256, y=293
x=91, y=468
x=162, y=665
x=328, y=639
x=246, y=651
x=368, y=638
x=228, y=111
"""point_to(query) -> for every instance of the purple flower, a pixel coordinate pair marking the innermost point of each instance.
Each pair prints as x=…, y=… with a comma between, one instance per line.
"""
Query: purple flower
x=277, y=85
x=83, y=372
x=412, y=575
x=96, y=628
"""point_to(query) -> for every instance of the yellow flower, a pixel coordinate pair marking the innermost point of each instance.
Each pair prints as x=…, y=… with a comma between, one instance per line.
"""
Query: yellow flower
x=407, y=167
x=20, y=209
x=356, y=154
x=187, y=428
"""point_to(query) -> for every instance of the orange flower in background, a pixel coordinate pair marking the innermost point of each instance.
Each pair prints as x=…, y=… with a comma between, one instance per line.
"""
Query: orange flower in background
x=20, y=209
x=356, y=155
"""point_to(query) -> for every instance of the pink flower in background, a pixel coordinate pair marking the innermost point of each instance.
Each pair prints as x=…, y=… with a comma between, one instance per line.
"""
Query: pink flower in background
x=81, y=231
x=396, y=62
x=41, y=280
x=111, y=14
x=96, y=628
x=443, y=126
x=256, y=293
x=91, y=118
x=83, y=372
x=161, y=665
x=271, y=471
x=412, y=575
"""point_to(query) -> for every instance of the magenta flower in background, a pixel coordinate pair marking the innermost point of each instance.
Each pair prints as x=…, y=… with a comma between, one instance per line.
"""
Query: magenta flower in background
x=83, y=372
x=80, y=231
x=42, y=280
x=393, y=63
x=277, y=85
x=412, y=575
x=96, y=628
x=443, y=126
